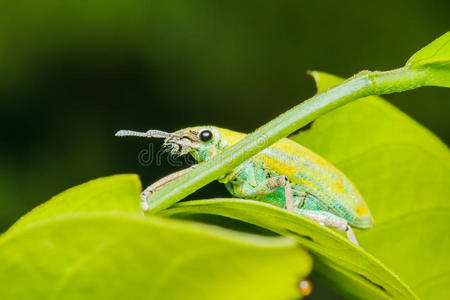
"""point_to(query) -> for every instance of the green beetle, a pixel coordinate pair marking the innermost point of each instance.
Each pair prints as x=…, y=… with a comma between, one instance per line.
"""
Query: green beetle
x=285, y=174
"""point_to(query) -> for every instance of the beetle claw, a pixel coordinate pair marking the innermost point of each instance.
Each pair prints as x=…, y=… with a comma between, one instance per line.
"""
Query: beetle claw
x=351, y=236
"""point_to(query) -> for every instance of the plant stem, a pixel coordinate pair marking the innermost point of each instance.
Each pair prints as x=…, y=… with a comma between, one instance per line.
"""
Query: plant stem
x=361, y=85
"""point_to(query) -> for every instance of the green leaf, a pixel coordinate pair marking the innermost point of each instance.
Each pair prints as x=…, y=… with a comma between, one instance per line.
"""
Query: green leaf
x=119, y=193
x=434, y=59
x=438, y=50
x=124, y=256
x=346, y=267
x=89, y=242
x=403, y=172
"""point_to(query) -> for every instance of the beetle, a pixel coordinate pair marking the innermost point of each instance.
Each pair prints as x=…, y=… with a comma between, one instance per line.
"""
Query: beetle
x=285, y=174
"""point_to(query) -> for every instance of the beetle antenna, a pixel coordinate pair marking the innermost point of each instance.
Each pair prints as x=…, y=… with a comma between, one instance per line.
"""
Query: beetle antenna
x=148, y=134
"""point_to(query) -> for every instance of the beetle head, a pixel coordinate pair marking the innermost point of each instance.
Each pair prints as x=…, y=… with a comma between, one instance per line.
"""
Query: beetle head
x=201, y=141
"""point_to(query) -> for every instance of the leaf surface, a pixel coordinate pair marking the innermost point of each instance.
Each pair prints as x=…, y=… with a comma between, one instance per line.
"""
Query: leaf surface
x=90, y=242
x=124, y=256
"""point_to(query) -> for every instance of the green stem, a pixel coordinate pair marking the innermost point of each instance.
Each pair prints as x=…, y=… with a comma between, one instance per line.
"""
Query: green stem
x=361, y=85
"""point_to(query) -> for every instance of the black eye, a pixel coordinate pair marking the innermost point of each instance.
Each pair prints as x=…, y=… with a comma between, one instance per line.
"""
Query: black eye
x=205, y=135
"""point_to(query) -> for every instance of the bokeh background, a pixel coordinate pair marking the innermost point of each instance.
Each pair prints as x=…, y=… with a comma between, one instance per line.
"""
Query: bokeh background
x=74, y=72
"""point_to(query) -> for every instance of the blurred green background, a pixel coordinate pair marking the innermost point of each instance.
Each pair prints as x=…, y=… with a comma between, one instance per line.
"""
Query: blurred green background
x=74, y=72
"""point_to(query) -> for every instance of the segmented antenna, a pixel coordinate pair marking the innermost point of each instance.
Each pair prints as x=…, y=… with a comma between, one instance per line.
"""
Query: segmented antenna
x=148, y=134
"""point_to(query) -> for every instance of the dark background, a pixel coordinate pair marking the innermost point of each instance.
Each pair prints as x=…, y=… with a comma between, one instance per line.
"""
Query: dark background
x=74, y=72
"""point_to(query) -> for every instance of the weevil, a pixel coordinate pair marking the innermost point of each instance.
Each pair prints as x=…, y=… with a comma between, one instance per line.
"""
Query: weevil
x=285, y=174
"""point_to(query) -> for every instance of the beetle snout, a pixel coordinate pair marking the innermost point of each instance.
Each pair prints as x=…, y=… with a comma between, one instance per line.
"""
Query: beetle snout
x=179, y=144
x=172, y=143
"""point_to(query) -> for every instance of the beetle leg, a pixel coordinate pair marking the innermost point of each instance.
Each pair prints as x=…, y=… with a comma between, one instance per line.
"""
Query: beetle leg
x=253, y=189
x=288, y=196
x=283, y=181
x=351, y=236
x=158, y=184
x=328, y=219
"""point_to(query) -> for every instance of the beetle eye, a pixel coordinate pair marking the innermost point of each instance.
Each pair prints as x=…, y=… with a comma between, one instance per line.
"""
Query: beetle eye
x=205, y=135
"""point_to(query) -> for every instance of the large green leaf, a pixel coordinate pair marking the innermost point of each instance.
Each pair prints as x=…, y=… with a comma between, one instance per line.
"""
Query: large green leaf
x=123, y=256
x=403, y=172
x=89, y=243
x=434, y=59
